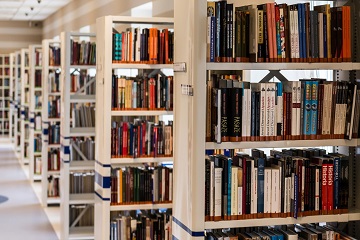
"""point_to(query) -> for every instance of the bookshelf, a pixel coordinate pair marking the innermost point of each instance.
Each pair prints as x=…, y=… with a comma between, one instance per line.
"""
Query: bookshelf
x=35, y=109
x=4, y=94
x=12, y=129
x=190, y=115
x=17, y=101
x=77, y=91
x=50, y=154
x=25, y=97
x=107, y=114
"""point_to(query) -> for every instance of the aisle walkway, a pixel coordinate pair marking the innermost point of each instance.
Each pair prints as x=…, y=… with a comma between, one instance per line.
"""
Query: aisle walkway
x=21, y=216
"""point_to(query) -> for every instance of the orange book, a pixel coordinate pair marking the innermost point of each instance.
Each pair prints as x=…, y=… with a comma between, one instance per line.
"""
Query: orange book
x=131, y=59
x=156, y=50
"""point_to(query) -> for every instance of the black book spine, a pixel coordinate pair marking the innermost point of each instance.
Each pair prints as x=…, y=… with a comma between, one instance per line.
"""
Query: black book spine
x=229, y=31
x=234, y=121
x=266, y=40
x=248, y=187
x=257, y=117
x=253, y=114
x=223, y=31
x=333, y=33
x=224, y=112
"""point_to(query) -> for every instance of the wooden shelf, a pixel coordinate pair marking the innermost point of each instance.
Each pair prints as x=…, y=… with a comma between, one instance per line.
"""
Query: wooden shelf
x=53, y=200
x=82, y=98
x=141, y=160
x=54, y=94
x=283, y=144
x=54, y=146
x=81, y=233
x=53, y=172
x=141, y=66
x=352, y=216
x=82, y=198
x=37, y=154
x=83, y=66
x=141, y=113
x=82, y=132
x=139, y=206
x=283, y=66
x=82, y=165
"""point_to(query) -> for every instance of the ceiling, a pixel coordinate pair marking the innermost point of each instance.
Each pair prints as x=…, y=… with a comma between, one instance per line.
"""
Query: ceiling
x=31, y=10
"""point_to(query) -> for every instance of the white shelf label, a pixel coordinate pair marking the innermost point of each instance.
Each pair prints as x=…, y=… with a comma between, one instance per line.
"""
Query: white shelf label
x=179, y=67
x=187, y=90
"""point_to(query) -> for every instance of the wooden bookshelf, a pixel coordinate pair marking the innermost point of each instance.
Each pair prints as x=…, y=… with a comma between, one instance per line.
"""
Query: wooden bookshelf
x=24, y=108
x=5, y=93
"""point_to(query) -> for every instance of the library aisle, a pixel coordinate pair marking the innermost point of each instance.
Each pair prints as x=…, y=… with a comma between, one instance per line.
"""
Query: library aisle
x=21, y=215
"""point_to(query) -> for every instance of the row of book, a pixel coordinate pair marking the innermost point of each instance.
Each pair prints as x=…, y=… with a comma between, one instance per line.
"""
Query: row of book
x=305, y=109
x=87, y=218
x=141, y=139
x=37, y=144
x=6, y=82
x=4, y=114
x=37, y=165
x=147, y=45
x=83, y=80
x=294, y=182
x=6, y=72
x=37, y=122
x=4, y=103
x=54, y=82
x=54, y=160
x=38, y=57
x=38, y=78
x=54, y=107
x=278, y=33
x=82, y=148
x=133, y=185
x=144, y=226
x=38, y=99
x=4, y=126
x=54, y=56
x=82, y=53
x=54, y=134
x=290, y=232
x=53, y=186
x=82, y=182
x=83, y=115
x=142, y=92
x=6, y=60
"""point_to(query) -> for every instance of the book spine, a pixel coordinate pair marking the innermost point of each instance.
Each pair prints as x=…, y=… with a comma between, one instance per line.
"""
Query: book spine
x=314, y=107
x=260, y=185
x=217, y=195
x=279, y=111
x=336, y=183
x=234, y=193
x=267, y=190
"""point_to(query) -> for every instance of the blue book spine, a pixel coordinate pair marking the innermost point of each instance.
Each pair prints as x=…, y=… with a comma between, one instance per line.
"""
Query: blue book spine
x=261, y=179
x=119, y=55
x=307, y=108
x=314, y=107
x=300, y=29
x=212, y=38
x=209, y=152
x=227, y=152
x=337, y=168
x=217, y=27
x=229, y=187
x=296, y=190
x=325, y=37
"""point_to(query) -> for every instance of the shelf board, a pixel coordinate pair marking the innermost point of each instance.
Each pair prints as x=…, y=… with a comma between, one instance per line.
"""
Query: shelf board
x=38, y=67
x=141, y=113
x=82, y=98
x=53, y=200
x=81, y=233
x=82, y=198
x=38, y=110
x=352, y=216
x=140, y=66
x=139, y=206
x=54, y=145
x=54, y=67
x=54, y=119
x=37, y=132
x=82, y=132
x=37, y=177
x=37, y=88
x=82, y=165
x=53, y=172
x=54, y=94
x=141, y=160
x=36, y=154
x=83, y=66
x=283, y=66
x=282, y=144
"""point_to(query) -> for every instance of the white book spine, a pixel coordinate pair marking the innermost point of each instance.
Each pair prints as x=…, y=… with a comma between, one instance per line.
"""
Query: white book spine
x=244, y=112
x=289, y=194
x=255, y=189
x=262, y=110
x=268, y=106
x=280, y=190
x=267, y=190
x=137, y=55
x=293, y=108
x=317, y=189
x=286, y=196
x=296, y=37
x=292, y=34
x=275, y=190
x=292, y=190
x=280, y=113
x=272, y=109
x=240, y=200
x=217, y=202
x=234, y=189
x=163, y=185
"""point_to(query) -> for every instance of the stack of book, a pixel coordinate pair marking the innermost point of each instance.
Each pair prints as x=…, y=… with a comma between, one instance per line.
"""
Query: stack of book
x=54, y=107
x=142, y=93
x=37, y=144
x=138, y=227
x=294, y=182
x=53, y=186
x=305, y=109
x=83, y=115
x=82, y=182
x=78, y=81
x=54, y=160
x=148, y=45
x=81, y=147
x=133, y=185
x=54, y=56
x=54, y=134
x=54, y=82
x=82, y=53
x=278, y=33
x=141, y=139
x=87, y=218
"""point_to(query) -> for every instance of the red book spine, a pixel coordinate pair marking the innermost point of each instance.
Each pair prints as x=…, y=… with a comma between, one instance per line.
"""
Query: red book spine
x=155, y=141
x=143, y=138
x=124, y=139
x=330, y=186
x=324, y=194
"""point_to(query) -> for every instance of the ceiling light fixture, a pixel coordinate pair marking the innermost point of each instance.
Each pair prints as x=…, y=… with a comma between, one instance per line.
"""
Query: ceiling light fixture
x=26, y=14
x=31, y=8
